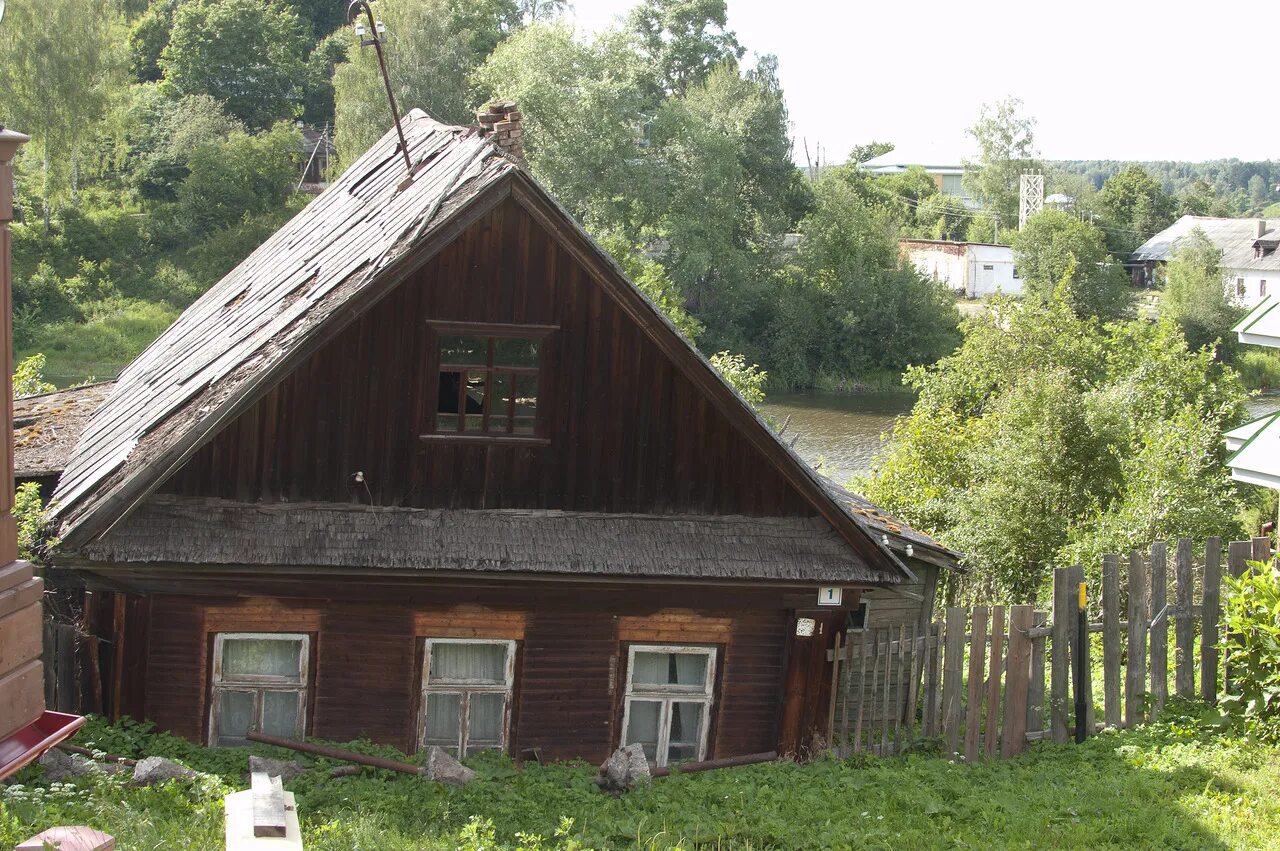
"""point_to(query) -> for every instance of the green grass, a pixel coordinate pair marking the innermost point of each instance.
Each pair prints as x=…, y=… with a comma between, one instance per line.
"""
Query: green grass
x=114, y=333
x=1172, y=785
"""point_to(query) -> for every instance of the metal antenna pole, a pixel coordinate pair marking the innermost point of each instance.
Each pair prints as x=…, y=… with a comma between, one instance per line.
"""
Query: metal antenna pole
x=353, y=10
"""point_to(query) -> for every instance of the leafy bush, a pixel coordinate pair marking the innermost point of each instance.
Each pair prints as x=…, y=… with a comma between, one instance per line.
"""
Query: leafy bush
x=28, y=377
x=1259, y=368
x=1252, y=620
x=240, y=175
x=114, y=333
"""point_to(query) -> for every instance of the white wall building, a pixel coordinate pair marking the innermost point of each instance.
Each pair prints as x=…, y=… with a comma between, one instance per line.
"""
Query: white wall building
x=1250, y=261
x=972, y=269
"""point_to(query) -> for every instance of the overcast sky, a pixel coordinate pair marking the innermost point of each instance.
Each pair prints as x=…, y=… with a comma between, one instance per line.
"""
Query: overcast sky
x=1113, y=79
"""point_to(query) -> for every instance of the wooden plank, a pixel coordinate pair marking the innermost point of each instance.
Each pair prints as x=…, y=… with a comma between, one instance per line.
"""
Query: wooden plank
x=899, y=682
x=268, y=805
x=1159, y=599
x=1059, y=685
x=1135, y=674
x=1035, y=692
x=1184, y=678
x=1086, y=643
x=1210, y=612
x=952, y=678
x=862, y=689
x=888, y=678
x=913, y=685
x=1238, y=555
x=933, y=681
x=1013, y=736
x=1261, y=549
x=1112, y=711
x=846, y=688
x=973, y=707
x=835, y=691
x=991, y=740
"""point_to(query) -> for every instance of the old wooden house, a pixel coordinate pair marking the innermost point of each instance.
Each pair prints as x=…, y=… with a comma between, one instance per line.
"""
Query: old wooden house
x=427, y=468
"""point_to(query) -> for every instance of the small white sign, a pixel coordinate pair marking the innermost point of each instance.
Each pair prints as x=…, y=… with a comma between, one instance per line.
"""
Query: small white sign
x=830, y=596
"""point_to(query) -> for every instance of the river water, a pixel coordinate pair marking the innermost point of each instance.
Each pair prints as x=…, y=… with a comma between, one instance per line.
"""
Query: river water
x=847, y=430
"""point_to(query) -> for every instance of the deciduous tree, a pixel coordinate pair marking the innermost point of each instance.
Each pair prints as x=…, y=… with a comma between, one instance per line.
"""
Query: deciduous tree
x=1059, y=254
x=1006, y=150
x=1196, y=297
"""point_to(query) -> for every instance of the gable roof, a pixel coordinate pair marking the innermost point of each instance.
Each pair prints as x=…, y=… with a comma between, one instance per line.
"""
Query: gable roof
x=1236, y=239
x=1261, y=325
x=359, y=239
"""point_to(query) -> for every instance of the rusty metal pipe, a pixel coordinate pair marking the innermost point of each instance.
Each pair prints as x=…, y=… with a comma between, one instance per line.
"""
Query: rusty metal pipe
x=335, y=753
x=713, y=764
x=354, y=9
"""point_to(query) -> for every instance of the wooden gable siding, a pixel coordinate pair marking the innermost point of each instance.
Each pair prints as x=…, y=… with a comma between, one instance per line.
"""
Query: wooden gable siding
x=570, y=666
x=628, y=431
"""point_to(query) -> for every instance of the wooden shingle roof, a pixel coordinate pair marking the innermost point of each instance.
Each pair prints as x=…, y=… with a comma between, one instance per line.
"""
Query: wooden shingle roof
x=46, y=428
x=354, y=243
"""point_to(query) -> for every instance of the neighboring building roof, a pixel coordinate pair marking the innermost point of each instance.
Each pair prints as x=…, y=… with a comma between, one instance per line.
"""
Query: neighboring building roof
x=46, y=428
x=1235, y=237
x=896, y=534
x=1261, y=325
x=1256, y=461
x=358, y=240
x=900, y=159
x=984, y=249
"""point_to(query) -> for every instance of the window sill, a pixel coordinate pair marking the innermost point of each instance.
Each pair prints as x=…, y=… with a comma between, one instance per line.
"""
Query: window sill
x=498, y=439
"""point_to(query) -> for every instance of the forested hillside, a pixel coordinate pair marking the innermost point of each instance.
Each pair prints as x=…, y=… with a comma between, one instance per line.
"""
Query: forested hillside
x=166, y=146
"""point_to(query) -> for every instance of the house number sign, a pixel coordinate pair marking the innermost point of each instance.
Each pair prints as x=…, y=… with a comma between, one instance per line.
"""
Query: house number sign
x=830, y=596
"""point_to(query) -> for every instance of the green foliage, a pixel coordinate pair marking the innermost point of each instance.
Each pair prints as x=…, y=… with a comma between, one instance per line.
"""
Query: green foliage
x=242, y=174
x=1259, y=368
x=147, y=39
x=28, y=377
x=1195, y=296
x=1049, y=439
x=1136, y=207
x=246, y=54
x=1059, y=256
x=748, y=380
x=35, y=536
x=1251, y=619
x=942, y=216
x=681, y=41
x=1006, y=149
x=112, y=334
x=1179, y=784
x=653, y=281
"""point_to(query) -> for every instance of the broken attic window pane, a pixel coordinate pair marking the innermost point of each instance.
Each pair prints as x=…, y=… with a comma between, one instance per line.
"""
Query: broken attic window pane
x=499, y=373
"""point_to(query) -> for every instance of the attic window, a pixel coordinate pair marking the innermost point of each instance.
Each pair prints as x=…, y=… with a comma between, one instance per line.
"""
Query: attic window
x=488, y=383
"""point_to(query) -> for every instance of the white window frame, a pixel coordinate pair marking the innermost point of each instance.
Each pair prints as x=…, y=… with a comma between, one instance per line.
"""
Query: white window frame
x=668, y=695
x=260, y=684
x=464, y=689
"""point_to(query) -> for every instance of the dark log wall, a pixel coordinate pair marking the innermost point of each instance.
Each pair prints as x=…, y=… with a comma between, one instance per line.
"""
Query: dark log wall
x=568, y=692
x=627, y=431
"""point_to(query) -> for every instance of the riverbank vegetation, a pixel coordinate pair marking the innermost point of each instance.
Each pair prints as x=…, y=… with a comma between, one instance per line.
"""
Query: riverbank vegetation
x=1210, y=790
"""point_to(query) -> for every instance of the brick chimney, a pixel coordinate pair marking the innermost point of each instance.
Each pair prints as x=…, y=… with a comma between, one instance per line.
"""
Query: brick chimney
x=1260, y=228
x=502, y=121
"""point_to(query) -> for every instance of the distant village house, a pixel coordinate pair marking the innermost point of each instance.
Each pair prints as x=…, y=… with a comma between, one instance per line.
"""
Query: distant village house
x=1250, y=261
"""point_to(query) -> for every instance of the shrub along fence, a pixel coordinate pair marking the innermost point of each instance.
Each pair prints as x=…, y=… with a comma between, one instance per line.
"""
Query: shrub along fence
x=990, y=679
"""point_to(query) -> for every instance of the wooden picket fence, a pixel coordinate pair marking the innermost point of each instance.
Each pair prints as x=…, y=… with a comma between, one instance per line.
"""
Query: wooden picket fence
x=978, y=680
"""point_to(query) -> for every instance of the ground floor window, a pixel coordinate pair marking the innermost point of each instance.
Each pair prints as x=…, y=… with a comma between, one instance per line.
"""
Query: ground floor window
x=668, y=701
x=466, y=694
x=259, y=683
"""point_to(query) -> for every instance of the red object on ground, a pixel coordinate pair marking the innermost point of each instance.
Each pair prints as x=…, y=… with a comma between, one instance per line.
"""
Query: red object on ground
x=70, y=839
x=27, y=744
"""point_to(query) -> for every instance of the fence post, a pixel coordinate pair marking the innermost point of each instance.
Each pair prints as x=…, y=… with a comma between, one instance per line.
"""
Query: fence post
x=993, y=681
x=1135, y=675
x=1017, y=682
x=973, y=708
x=1111, y=640
x=835, y=693
x=933, y=673
x=952, y=677
x=1184, y=664
x=1035, y=694
x=885, y=717
x=1210, y=608
x=1158, y=617
x=862, y=688
x=1061, y=658
x=1238, y=554
x=1261, y=549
